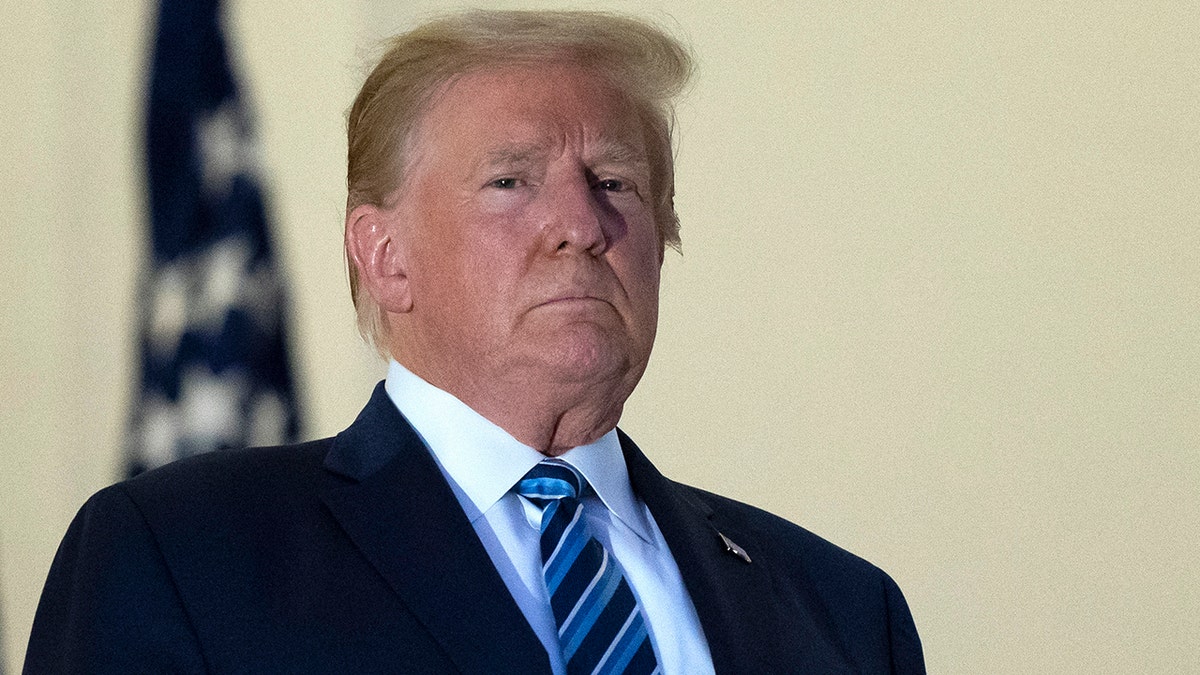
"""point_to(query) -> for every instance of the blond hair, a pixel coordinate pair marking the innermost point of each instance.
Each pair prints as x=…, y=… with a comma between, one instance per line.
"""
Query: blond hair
x=640, y=60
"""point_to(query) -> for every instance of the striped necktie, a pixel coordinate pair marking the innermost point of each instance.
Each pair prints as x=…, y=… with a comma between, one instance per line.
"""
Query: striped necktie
x=600, y=626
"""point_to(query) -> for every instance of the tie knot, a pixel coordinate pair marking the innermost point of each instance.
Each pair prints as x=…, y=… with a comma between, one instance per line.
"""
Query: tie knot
x=550, y=481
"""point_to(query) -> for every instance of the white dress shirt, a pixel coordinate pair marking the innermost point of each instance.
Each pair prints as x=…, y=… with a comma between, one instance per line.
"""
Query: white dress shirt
x=482, y=462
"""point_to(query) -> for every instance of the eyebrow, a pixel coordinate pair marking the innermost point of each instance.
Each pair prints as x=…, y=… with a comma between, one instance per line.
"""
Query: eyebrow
x=514, y=154
x=604, y=150
x=608, y=149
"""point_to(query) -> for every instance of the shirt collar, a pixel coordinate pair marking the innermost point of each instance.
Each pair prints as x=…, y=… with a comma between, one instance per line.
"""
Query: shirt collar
x=486, y=461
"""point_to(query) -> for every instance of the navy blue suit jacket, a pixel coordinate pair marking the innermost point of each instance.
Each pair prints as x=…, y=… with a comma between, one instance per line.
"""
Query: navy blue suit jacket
x=351, y=555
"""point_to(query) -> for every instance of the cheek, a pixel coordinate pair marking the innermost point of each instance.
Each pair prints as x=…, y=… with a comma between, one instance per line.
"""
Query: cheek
x=472, y=245
x=641, y=265
x=445, y=271
x=649, y=246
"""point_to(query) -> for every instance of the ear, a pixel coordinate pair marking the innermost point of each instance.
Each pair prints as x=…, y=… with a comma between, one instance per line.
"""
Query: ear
x=375, y=250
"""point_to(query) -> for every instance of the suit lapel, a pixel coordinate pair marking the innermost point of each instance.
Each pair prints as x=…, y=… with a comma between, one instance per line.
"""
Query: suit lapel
x=733, y=598
x=387, y=493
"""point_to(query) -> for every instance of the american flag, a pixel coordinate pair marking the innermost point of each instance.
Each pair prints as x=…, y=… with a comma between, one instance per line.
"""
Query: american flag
x=214, y=363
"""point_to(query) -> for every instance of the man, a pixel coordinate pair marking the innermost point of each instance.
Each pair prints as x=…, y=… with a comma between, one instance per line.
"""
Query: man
x=510, y=200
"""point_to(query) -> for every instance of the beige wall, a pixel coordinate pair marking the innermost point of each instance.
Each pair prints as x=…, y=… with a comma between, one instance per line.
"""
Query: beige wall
x=939, y=301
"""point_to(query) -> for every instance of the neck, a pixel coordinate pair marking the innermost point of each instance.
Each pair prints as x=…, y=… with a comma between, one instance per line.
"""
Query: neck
x=550, y=426
x=552, y=418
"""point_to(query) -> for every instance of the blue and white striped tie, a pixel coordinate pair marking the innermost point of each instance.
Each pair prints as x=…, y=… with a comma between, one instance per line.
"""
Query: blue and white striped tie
x=600, y=626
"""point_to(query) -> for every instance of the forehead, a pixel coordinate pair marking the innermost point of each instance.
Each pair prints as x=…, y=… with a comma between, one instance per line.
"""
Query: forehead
x=532, y=108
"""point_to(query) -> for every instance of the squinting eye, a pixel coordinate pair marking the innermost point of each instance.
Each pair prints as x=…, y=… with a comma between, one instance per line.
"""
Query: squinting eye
x=610, y=185
x=504, y=183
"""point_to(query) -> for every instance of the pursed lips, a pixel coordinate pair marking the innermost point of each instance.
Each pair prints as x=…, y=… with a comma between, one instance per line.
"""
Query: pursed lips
x=573, y=300
x=579, y=291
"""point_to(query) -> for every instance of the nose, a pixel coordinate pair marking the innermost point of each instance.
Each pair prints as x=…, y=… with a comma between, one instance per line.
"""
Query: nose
x=576, y=220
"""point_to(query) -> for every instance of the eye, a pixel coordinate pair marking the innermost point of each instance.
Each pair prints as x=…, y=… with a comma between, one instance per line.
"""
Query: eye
x=504, y=183
x=610, y=185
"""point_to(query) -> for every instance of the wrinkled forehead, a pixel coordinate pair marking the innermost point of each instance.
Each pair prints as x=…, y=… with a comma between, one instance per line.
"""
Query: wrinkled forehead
x=539, y=145
x=525, y=111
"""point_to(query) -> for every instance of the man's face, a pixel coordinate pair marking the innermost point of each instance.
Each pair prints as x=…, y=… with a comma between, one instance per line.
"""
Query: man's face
x=528, y=234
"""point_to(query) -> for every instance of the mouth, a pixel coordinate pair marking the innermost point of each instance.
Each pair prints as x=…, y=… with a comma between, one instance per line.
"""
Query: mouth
x=569, y=300
x=582, y=291
x=575, y=301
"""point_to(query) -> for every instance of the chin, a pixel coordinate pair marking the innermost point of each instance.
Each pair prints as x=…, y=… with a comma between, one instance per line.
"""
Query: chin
x=583, y=361
x=580, y=354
